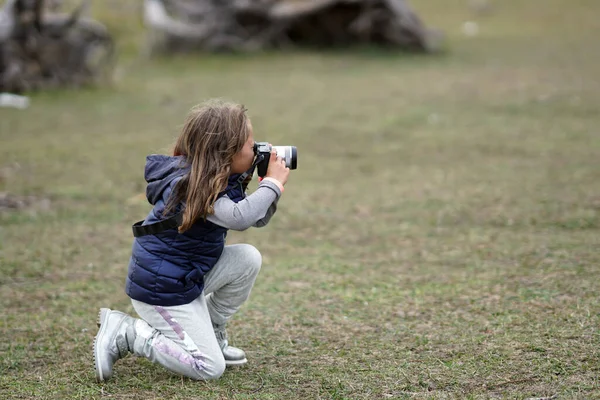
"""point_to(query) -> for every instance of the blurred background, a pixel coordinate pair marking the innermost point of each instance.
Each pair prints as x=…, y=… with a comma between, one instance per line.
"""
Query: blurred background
x=439, y=238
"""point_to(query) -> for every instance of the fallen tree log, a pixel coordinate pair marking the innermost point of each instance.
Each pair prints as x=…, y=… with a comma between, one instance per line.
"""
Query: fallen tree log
x=248, y=25
x=40, y=50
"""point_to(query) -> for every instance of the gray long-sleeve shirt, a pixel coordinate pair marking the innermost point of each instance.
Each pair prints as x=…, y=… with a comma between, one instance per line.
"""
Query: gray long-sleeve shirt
x=254, y=210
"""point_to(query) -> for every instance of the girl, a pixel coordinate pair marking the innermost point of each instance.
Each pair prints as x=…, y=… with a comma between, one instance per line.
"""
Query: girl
x=183, y=281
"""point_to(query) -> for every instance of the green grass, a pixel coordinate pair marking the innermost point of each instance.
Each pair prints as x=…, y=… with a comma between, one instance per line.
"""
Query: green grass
x=439, y=240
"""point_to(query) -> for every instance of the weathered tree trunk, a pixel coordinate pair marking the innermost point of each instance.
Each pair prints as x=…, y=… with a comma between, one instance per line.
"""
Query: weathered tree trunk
x=40, y=50
x=257, y=24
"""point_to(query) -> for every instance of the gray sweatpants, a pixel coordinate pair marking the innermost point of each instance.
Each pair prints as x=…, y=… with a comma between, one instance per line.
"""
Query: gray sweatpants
x=181, y=338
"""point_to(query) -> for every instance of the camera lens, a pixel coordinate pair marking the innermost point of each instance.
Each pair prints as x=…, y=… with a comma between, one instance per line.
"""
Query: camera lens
x=289, y=154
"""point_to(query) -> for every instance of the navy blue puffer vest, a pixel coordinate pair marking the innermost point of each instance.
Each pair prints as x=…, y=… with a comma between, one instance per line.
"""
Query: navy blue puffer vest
x=167, y=269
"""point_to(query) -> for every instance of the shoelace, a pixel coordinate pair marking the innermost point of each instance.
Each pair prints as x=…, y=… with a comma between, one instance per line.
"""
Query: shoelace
x=221, y=335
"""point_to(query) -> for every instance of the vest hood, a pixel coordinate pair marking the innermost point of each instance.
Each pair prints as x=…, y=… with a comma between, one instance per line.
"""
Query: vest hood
x=160, y=172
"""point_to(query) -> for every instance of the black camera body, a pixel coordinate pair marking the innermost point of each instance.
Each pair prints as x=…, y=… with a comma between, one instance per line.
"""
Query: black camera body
x=262, y=150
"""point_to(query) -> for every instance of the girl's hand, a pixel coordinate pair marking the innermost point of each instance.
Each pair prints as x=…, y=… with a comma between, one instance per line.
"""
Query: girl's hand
x=277, y=169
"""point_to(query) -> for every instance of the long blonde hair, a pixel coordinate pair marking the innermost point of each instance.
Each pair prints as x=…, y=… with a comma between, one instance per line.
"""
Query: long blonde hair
x=212, y=134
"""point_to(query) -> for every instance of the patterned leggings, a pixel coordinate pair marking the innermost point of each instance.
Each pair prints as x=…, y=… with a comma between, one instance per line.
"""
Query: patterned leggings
x=181, y=338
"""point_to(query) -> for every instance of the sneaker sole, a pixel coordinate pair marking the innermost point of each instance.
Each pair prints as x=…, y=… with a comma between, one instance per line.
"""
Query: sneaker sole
x=102, y=316
x=235, y=363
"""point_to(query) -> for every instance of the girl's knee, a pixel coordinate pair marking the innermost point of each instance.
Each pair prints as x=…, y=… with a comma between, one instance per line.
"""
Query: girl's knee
x=252, y=257
x=211, y=369
x=216, y=369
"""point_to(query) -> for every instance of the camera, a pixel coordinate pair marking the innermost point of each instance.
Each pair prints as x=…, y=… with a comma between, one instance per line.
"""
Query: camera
x=262, y=150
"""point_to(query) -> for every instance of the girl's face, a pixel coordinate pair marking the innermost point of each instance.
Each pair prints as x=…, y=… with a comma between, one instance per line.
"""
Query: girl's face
x=242, y=160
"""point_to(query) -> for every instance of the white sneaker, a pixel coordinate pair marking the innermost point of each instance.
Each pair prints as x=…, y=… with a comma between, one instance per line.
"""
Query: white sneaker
x=233, y=356
x=111, y=342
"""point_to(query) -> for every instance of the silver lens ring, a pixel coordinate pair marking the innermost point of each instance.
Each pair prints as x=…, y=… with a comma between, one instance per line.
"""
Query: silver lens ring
x=285, y=152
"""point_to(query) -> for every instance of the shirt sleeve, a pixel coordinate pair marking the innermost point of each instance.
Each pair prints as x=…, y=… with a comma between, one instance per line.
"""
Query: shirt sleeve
x=254, y=210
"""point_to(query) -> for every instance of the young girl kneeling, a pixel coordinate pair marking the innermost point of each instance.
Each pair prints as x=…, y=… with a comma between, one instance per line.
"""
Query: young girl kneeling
x=183, y=281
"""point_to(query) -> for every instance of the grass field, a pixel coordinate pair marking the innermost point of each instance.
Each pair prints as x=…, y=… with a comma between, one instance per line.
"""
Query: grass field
x=440, y=238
